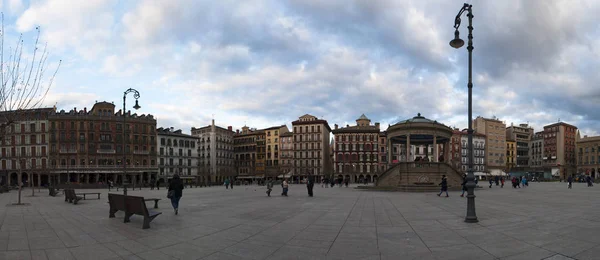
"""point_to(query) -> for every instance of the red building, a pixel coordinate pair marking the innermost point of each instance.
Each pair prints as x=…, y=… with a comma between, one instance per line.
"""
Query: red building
x=86, y=146
x=357, y=153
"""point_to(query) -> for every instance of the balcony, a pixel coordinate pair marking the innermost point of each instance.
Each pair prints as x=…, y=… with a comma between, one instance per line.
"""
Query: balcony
x=106, y=151
x=67, y=151
x=141, y=152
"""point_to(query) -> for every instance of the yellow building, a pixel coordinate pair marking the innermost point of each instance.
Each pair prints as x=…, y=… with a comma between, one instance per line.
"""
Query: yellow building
x=272, y=162
x=511, y=154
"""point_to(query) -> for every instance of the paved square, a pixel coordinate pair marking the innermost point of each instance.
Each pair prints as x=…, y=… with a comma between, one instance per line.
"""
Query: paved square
x=543, y=221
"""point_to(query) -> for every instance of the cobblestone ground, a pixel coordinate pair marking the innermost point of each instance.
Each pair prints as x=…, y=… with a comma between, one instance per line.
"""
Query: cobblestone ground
x=543, y=221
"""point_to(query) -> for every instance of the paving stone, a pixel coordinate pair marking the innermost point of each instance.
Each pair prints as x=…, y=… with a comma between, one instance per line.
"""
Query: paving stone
x=533, y=223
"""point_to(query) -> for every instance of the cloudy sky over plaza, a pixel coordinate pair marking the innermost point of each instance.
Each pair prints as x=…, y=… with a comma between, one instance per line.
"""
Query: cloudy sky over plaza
x=266, y=63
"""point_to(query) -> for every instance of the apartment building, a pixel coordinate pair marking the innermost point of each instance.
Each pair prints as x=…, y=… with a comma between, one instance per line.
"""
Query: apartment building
x=286, y=154
x=272, y=160
x=522, y=135
x=24, y=148
x=495, y=149
x=511, y=154
x=87, y=146
x=559, y=149
x=215, y=151
x=311, y=147
x=536, y=152
x=588, y=155
x=245, y=150
x=357, y=150
x=459, y=156
x=177, y=154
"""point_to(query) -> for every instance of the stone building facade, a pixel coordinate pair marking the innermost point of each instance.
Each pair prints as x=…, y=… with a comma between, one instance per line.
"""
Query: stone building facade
x=522, y=135
x=511, y=154
x=177, y=154
x=559, y=149
x=588, y=155
x=495, y=149
x=459, y=152
x=286, y=155
x=24, y=148
x=356, y=150
x=215, y=151
x=311, y=147
x=272, y=159
x=87, y=146
x=536, y=152
x=245, y=150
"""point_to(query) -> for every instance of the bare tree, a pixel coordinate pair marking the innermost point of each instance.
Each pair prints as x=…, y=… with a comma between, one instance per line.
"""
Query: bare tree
x=23, y=81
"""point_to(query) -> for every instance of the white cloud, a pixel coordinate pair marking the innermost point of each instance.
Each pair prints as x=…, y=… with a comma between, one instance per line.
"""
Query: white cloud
x=85, y=26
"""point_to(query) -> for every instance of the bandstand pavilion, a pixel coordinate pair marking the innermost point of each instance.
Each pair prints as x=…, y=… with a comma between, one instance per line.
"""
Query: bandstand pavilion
x=411, y=172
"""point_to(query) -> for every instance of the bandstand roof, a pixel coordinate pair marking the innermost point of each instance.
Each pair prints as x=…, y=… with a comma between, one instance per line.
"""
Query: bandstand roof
x=420, y=129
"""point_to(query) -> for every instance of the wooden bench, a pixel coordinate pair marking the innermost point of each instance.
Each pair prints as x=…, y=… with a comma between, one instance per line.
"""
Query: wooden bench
x=131, y=205
x=155, y=201
x=89, y=193
x=71, y=197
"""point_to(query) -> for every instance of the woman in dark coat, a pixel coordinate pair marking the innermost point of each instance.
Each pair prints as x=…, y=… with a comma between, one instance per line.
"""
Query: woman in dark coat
x=444, y=185
x=176, y=192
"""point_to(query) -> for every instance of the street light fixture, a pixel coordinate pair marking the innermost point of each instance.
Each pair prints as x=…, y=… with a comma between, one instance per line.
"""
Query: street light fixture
x=457, y=43
x=136, y=95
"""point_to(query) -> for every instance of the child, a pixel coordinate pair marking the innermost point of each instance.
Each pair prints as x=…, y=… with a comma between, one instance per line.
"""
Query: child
x=269, y=187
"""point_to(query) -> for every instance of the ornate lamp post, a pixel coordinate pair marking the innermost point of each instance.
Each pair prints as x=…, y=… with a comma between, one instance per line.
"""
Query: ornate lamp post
x=457, y=43
x=136, y=95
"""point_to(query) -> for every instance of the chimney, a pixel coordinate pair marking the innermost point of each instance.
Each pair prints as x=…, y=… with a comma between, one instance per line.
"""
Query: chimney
x=347, y=125
x=237, y=131
x=335, y=126
x=75, y=109
x=377, y=125
x=230, y=128
x=85, y=109
x=585, y=136
x=213, y=122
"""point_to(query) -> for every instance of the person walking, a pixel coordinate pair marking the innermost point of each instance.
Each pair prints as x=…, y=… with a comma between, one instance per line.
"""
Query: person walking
x=346, y=180
x=284, y=186
x=310, y=183
x=464, y=185
x=157, y=184
x=588, y=179
x=524, y=181
x=231, y=183
x=502, y=182
x=570, y=180
x=269, y=187
x=444, y=185
x=152, y=184
x=227, y=183
x=175, y=192
x=491, y=181
x=109, y=184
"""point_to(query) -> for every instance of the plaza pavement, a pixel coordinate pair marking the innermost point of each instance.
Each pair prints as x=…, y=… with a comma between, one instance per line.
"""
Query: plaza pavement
x=543, y=221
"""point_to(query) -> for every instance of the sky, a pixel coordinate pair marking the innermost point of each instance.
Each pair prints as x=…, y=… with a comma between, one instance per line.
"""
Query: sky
x=266, y=63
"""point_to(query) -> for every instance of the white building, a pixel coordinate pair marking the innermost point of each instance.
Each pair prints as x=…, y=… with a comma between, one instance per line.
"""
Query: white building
x=177, y=154
x=215, y=151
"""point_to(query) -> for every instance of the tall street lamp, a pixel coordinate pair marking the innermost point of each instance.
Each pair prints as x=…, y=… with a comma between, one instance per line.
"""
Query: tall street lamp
x=136, y=95
x=457, y=43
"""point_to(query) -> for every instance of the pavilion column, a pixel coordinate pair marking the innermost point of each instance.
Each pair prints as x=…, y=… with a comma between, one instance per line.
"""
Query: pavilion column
x=408, y=148
x=389, y=151
x=435, y=149
x=446, y=152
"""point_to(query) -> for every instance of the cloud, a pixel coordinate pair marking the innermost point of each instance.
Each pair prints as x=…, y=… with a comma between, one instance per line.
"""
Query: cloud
x=265, y=62
x=85, y=26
